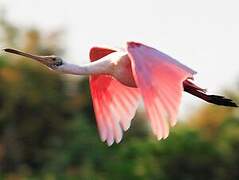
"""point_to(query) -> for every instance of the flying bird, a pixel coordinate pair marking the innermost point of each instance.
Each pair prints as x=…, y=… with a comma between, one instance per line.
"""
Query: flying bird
x=120, y=78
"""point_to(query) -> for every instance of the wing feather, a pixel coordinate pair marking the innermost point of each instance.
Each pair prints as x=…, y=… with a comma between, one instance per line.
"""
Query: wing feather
x=160, y=81
x=114, y=103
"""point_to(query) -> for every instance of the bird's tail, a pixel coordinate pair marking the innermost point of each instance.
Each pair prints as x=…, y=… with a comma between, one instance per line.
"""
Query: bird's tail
x=201, y=93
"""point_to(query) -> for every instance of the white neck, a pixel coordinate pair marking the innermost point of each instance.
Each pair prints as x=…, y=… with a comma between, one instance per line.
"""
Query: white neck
x=97, y=67
x=67, y=68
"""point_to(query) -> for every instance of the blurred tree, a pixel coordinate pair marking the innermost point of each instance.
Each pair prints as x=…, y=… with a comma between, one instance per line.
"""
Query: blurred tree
x=210, y=117
x=48, y=129
x=33, y=104
x=8, y=32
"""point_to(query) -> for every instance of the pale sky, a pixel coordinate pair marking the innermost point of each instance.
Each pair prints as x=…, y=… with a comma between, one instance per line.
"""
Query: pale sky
x=201, y=34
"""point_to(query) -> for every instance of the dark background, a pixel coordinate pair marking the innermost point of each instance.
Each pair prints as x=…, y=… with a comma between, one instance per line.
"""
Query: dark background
x=48, y=130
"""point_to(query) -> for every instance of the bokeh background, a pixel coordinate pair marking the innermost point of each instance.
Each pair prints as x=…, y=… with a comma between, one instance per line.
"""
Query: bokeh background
x=47, y=124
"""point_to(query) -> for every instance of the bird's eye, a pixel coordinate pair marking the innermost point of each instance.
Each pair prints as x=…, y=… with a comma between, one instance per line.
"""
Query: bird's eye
x=59, y=63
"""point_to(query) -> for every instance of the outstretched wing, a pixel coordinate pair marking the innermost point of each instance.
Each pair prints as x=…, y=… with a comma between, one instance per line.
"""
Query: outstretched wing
x=114, y=103
x=160, y=81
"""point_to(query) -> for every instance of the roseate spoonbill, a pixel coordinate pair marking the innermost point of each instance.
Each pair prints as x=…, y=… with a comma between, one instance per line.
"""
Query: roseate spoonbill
x=120, y=78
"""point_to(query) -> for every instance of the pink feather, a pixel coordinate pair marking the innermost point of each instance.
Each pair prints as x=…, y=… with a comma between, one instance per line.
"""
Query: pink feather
x=114, y=103
x=160, y=81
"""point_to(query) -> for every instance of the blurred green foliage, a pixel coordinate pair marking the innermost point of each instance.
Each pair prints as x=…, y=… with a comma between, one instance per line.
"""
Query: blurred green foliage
x=48, y=130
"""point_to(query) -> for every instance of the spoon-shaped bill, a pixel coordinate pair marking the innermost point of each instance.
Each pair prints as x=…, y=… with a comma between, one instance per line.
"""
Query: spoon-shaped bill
x=21, y=53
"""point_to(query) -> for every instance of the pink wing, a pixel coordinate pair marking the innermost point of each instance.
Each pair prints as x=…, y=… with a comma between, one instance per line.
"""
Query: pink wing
x=160, y=81
x=114, y=103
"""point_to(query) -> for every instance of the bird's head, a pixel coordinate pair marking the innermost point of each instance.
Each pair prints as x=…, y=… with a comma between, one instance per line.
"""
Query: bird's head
x=53, y=62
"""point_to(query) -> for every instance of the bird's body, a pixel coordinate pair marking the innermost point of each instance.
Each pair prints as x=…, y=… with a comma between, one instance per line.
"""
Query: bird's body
x=116, y=64
x=119, y=79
